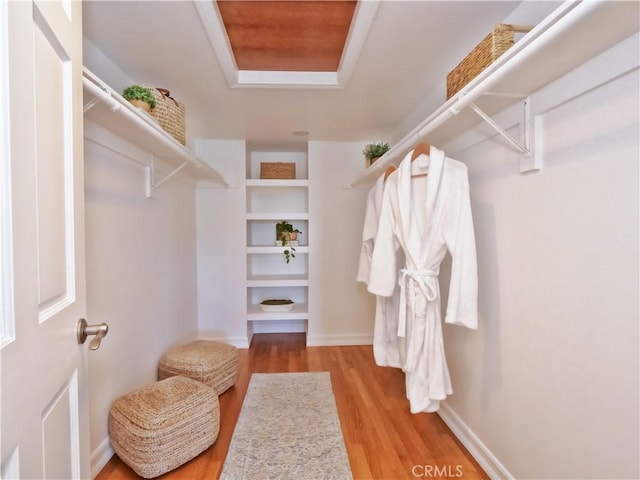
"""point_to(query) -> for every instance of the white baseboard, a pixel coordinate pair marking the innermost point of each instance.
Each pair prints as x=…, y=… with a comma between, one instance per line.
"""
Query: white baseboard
x=478, y=450
x=337, y=340
x=100, y=456
x=289, y=327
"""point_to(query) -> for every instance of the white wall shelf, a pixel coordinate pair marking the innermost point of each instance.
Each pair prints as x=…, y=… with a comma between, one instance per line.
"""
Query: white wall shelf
x=573, y=33
x=300, y=311
x=277, y=280
x=278, y=216
x=275, y=249
x=266, y=183
x=108, y=108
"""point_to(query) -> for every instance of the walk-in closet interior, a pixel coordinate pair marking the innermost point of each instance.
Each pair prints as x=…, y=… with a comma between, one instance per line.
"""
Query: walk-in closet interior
x=517, y=243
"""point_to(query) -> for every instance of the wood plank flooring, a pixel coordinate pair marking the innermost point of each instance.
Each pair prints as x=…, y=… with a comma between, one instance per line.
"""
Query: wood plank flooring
x=383, y=439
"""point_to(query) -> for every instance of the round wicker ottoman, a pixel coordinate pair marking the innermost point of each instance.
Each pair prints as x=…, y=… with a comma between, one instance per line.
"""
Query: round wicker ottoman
x=213, y=363
x=164, y=425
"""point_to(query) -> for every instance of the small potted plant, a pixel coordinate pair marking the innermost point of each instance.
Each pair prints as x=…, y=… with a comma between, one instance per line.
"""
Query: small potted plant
x=373, y=151
x=140, y=97
x=285, y=234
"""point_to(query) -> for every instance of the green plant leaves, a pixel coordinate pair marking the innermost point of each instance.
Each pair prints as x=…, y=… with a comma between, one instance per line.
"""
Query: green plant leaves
x=138, y=92
x=289, y=254
x=376, y=149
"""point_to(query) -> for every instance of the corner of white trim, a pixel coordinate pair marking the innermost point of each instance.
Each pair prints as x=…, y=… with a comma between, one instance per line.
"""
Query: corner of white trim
x=362, y=20
x=280, y=79
x=478, y=450
x=100, y=456
x=214, y=27
x=7, y=313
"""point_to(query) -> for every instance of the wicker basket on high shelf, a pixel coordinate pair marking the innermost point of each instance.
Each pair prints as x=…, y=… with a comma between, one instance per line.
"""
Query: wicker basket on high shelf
x=485, y=53
x=278, y=170
x=169, y=113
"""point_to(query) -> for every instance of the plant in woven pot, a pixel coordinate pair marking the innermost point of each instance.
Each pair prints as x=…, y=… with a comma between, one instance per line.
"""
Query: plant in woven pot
x=140, y=97
x=373, y=151
x=285, y=234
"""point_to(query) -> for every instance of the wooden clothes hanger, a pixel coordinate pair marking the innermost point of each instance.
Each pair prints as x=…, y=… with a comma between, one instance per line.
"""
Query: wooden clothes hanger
x=388, y=172
x=419, y=149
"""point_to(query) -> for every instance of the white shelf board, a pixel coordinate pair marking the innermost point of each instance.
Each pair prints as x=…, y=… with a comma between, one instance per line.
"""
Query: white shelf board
x=274, y=249
x=300, y=311
x=572, y=34
x=275, y=280
x=277, y=216
x=109, y=109
x=256, y=182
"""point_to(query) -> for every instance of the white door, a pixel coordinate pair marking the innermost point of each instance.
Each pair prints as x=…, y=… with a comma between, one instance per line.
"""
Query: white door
x=44, y=398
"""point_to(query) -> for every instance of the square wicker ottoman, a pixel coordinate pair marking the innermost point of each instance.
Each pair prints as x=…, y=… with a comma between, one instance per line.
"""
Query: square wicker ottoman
x=164, y=425
x=213, y=363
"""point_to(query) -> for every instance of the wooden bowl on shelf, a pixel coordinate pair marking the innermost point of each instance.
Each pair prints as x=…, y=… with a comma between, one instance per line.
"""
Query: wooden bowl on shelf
x=276, y=305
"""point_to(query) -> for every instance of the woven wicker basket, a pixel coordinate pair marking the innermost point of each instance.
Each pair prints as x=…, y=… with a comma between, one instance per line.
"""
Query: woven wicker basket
x=485, y=53
x=278, y=170
x=169, y=113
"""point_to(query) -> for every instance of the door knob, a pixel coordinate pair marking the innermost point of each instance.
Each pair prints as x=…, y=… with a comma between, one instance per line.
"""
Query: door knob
x=84, y=330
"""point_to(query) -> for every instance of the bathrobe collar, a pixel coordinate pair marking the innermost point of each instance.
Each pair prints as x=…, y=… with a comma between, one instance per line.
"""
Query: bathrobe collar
x=434, y=164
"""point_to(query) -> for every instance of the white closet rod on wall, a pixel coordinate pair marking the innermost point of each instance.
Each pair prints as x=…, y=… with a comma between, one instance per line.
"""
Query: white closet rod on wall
x=542, y=35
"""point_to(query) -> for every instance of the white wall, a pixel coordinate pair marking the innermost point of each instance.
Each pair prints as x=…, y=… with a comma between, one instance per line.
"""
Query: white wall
x=341, y=310
x=99, y=64
x=548, y=385
x=141, y=274
x=222, y=262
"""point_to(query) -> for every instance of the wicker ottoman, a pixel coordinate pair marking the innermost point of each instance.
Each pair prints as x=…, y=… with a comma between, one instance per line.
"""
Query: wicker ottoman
x=212, y=363
x=161, y=426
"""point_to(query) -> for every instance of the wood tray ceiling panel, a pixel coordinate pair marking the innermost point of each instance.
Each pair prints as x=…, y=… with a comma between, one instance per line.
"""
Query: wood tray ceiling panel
x=307, y=36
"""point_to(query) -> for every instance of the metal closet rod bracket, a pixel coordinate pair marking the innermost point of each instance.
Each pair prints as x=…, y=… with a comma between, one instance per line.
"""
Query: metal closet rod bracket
x=91, y=103
x=151, y=183
x=528, y=160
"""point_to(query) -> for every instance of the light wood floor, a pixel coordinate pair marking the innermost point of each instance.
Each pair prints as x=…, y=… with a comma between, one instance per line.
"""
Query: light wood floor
x=383, y=439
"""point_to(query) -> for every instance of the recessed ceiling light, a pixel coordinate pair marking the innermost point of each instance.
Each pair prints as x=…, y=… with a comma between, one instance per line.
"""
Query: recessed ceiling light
x=300, y=133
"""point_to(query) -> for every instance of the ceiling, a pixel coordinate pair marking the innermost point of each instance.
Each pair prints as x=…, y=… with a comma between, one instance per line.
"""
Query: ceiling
x=397, y=57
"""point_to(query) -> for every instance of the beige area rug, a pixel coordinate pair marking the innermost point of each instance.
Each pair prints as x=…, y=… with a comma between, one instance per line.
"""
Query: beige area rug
x=288, y=429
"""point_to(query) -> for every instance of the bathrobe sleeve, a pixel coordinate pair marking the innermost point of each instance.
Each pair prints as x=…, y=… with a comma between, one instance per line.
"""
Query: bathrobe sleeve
x=384, y=268
x=368, y=236
x=458, y=234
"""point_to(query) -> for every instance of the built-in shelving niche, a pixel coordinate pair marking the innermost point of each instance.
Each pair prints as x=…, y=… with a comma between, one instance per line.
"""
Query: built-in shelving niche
x=269, y=201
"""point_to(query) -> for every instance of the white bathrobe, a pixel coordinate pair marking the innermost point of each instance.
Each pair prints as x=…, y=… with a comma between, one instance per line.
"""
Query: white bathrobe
x=388, y=348
x=426, y=216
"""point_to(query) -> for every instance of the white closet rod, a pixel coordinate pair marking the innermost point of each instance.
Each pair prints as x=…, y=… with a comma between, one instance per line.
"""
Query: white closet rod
x=104, y=94
x=540, y=36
